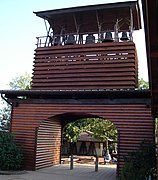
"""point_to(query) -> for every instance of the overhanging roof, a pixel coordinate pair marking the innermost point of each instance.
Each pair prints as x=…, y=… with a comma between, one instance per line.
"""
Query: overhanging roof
x=82, y=17
x=86, y=94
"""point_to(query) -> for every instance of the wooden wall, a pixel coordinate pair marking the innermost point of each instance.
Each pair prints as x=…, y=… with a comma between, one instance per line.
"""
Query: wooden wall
x=150, y=13
x=133, y=122
x=89, y=66
x=48, y=143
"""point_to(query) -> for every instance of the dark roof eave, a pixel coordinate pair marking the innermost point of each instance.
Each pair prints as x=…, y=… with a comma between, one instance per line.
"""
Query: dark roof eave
x=46, y=14
x=85, y=94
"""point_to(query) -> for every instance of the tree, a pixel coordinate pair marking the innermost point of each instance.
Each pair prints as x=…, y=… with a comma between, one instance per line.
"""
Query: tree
x=101, y=129
x=71, y=132
x=142, y=84
x=104, y=130
x=10, y=153
x=140, y=164
x=5, y=112
x=22, y=82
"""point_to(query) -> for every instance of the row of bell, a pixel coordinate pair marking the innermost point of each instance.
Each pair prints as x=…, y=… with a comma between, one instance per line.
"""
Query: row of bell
x=90, y=39
x=108, y=37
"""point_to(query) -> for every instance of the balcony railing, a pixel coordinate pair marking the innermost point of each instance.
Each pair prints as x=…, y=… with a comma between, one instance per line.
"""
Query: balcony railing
x=71, y=39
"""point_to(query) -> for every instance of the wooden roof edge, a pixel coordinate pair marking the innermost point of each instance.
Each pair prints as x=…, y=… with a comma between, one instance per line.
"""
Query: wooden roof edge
x=45, y=14
x=85, y=94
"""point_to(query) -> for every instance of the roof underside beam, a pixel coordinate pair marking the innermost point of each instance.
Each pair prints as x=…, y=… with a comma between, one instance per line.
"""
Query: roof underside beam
x=78, y=19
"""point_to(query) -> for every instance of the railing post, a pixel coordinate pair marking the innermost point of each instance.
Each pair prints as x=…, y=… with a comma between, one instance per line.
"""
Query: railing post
x=37, y=41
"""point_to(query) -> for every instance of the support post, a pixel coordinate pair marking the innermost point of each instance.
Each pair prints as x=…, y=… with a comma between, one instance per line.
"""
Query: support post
x=96, y=163
x=71, y=157
x=71, y=162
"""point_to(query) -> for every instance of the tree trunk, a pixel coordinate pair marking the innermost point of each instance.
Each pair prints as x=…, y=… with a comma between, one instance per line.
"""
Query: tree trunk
x=107, y=147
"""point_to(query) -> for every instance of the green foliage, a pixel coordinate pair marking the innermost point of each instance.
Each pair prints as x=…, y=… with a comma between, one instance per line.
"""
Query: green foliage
x=5, y=115
x=142, y=84
x=22, y=82
x=101, y=129
x=10, y=154
x=71, y=132
x=140, y=164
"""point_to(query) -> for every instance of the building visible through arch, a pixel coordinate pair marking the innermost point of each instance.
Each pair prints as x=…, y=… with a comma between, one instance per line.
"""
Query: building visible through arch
x=93, y=137
x=78, y=80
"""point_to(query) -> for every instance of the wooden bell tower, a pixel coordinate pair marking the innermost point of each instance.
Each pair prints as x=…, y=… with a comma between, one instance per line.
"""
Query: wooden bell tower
x=88, y=48
x=86, y=66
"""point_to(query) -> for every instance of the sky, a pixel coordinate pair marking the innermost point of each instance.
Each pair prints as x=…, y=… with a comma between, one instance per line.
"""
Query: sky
x=19, y=27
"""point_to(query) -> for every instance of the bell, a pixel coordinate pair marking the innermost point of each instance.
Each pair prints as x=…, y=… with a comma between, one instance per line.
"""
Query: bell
x=108, y=37
x=90, y=39
x=57, y=41
x=70, y=40
x=124, y=37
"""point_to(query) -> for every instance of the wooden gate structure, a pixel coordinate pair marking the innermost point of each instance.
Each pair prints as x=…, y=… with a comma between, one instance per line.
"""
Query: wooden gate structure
x=83, y=68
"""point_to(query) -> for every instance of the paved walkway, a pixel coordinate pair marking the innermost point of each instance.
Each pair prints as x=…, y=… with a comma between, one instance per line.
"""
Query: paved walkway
x=62, y=172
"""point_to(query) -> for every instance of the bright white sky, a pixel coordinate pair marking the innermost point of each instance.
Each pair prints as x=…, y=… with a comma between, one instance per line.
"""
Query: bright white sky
x=20, y=27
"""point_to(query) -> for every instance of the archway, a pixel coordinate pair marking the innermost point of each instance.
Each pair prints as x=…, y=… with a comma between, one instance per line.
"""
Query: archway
x=49, y=136
x=132, y=118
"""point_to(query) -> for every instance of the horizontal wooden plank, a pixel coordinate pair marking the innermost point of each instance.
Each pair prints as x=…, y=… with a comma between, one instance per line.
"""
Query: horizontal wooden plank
x=81, y=85
x=101, y=70
x=85, y=58
x=75, y=80
x=87, y=66
x=86, y=48
x=48, y=143
x=83, y=62
x=81, y=75
x=81, y=57
x=134, y=124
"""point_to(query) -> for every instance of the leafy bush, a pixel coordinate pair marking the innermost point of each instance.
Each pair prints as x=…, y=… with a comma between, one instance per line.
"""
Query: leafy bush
x=10, y=154
x=140, y=164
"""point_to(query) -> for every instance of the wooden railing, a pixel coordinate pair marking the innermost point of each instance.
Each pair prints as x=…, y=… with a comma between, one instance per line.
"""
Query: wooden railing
x=89, y=66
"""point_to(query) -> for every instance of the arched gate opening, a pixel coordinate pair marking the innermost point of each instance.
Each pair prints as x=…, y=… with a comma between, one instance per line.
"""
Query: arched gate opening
x=49, y=143
x=89, y=139
x=38, y=127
